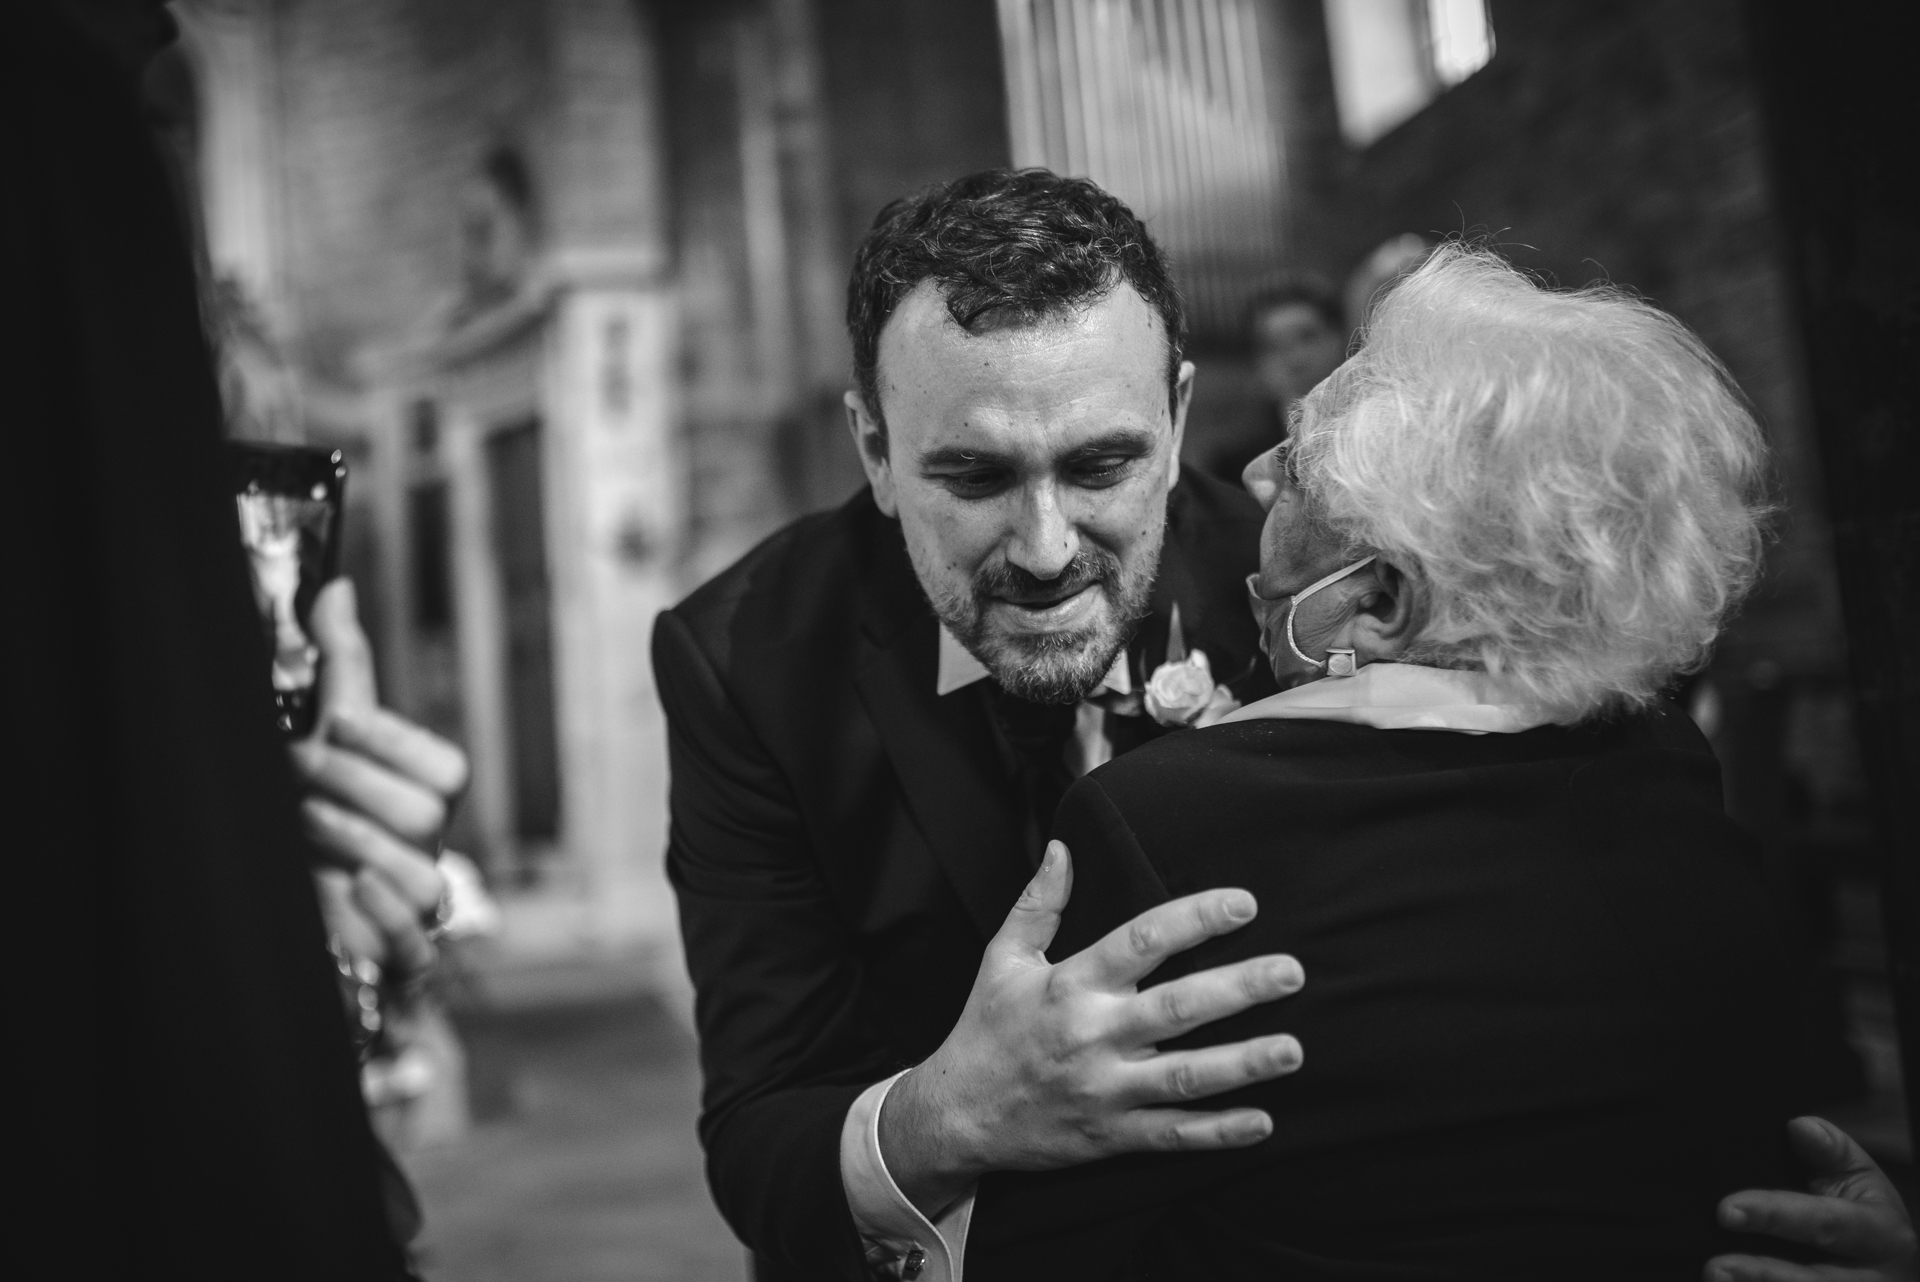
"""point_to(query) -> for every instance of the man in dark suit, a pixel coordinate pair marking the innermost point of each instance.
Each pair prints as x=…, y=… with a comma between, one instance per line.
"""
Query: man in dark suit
x=873, y=715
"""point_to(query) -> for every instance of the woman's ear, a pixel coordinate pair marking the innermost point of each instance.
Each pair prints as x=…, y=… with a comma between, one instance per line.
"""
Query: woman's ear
x=870, y=440
x=1389, y=615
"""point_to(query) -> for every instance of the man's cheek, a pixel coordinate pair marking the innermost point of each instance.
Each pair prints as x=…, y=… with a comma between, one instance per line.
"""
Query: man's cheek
x=1130, y=520
x=940, y=552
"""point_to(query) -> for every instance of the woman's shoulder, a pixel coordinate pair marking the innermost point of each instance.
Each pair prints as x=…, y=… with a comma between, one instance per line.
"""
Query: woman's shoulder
x=1207, y=781
x=1274, y=750
x=1325, y=770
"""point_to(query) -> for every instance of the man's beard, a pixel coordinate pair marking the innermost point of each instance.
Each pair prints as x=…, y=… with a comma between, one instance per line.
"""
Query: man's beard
x=1057, y=667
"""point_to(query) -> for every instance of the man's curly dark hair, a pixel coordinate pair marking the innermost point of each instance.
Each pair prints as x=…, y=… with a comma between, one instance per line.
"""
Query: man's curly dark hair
x=1004, y=244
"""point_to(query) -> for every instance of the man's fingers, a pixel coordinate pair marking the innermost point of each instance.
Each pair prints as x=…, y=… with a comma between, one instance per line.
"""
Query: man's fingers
x=397, y=743
x=407, y=944
x=1174, y=1130
x=414, y=813
x=1180, y=1005
x=1174, y=1076
x=346, y=678
x=1127, y=954
x=1757, y=1268
x=356, y=932
x=1840, y=1166
x=1754, y=1268
x=1858, y=1231
x=1030, y=927
x=1824, y=1146
x=356, y=843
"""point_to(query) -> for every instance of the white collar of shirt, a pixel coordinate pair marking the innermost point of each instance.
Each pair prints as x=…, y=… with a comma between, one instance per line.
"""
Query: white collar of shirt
x=959, y=669
x=1404, y=696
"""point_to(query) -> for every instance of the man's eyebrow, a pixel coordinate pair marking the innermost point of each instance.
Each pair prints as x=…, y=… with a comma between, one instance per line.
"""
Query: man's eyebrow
x=1123, y=440
x=1119, y=441
x=952, y=456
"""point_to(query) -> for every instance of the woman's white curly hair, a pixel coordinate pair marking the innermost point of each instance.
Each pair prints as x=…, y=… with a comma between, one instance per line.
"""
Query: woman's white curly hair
x=1573, y=474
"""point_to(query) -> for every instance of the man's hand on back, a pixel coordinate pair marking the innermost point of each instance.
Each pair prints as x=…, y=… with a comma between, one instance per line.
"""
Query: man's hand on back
x=380, y=791
x=1055, y=1065
x=1851, y=1211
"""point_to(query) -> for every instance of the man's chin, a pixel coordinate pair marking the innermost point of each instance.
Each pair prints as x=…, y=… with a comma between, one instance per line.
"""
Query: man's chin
x=1050, y=667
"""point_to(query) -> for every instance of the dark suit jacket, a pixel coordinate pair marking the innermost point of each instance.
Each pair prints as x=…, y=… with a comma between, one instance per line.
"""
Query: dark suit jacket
x=844, y=842
x=1547, y=1017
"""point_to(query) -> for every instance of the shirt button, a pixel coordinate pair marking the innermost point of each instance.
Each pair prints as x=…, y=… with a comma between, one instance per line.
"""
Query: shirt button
x=911, y=1266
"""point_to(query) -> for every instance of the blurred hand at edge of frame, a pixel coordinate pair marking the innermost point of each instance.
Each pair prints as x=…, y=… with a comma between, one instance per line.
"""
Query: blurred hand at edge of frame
x=380, y=790
x=1851, y=1210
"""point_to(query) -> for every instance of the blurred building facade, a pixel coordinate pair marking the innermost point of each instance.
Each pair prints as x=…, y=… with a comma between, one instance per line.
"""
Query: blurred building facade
x=565, y=279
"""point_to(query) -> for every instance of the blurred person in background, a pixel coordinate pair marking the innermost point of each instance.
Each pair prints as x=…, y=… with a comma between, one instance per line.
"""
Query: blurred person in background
x=1384, y=264
x=1297, y=336
x=189, y=1095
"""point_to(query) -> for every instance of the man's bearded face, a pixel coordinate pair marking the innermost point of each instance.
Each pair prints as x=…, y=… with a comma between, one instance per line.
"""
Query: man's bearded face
x=1029, y=464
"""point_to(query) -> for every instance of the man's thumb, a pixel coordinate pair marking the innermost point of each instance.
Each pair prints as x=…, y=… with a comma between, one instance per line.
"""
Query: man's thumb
x=1036, y=916
x=346, y=673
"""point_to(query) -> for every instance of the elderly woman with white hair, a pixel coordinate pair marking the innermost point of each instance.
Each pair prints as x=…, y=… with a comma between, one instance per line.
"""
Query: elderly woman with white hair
x=1553, y=1021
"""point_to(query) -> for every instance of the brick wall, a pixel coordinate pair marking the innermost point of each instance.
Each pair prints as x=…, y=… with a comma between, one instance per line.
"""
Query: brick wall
x=387, y=111
x=790, y=123
x=915, y=96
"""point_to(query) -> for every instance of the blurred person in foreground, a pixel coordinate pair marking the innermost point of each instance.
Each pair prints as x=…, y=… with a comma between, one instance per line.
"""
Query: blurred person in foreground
x=871, y=719
x=187, y=1095
x=1296, y=336
x=1553, y=1018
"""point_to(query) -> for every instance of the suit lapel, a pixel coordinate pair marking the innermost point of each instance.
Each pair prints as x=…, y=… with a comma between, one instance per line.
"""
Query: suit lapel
x=941, y=747
x=956, y=787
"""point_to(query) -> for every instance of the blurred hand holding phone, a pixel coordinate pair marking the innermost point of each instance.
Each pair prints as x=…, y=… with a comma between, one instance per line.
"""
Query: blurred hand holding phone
x=380, y=788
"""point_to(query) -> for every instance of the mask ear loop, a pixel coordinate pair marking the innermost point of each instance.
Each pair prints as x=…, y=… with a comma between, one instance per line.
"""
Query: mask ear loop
x=1298, y=597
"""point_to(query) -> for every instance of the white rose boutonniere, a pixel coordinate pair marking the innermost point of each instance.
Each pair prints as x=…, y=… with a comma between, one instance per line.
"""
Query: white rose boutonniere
x=1182, y=692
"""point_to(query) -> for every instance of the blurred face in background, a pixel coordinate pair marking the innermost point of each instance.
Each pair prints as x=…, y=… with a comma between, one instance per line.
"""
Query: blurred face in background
x=1294, y=347
x=1028, y=464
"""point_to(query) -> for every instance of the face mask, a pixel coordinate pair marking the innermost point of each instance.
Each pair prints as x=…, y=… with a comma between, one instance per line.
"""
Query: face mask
x=1338, y=663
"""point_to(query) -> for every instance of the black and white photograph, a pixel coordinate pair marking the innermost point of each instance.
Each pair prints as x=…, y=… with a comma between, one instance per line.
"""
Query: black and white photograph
x=964, y=640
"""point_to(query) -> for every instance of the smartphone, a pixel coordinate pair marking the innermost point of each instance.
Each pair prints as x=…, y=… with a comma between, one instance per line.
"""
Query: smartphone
x=290, y=504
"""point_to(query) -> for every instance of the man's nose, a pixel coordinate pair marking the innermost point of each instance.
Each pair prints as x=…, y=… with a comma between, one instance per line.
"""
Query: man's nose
x=1044, y=539
x=1261, y=477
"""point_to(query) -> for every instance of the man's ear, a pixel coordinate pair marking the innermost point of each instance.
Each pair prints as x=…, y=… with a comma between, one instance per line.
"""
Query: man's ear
x=870, y=442
x=1182, y=397
x=1389, y=616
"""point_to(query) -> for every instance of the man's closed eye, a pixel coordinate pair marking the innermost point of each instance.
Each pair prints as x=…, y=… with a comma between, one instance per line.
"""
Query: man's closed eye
x=1101, y=471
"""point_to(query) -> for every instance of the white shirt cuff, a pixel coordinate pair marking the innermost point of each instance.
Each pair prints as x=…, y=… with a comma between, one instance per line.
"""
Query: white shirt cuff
x=900, y=1242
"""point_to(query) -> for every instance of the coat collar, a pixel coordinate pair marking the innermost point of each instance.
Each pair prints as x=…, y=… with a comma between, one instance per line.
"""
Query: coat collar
x=941, y=749
x=957, y=788
x=1404, y=696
